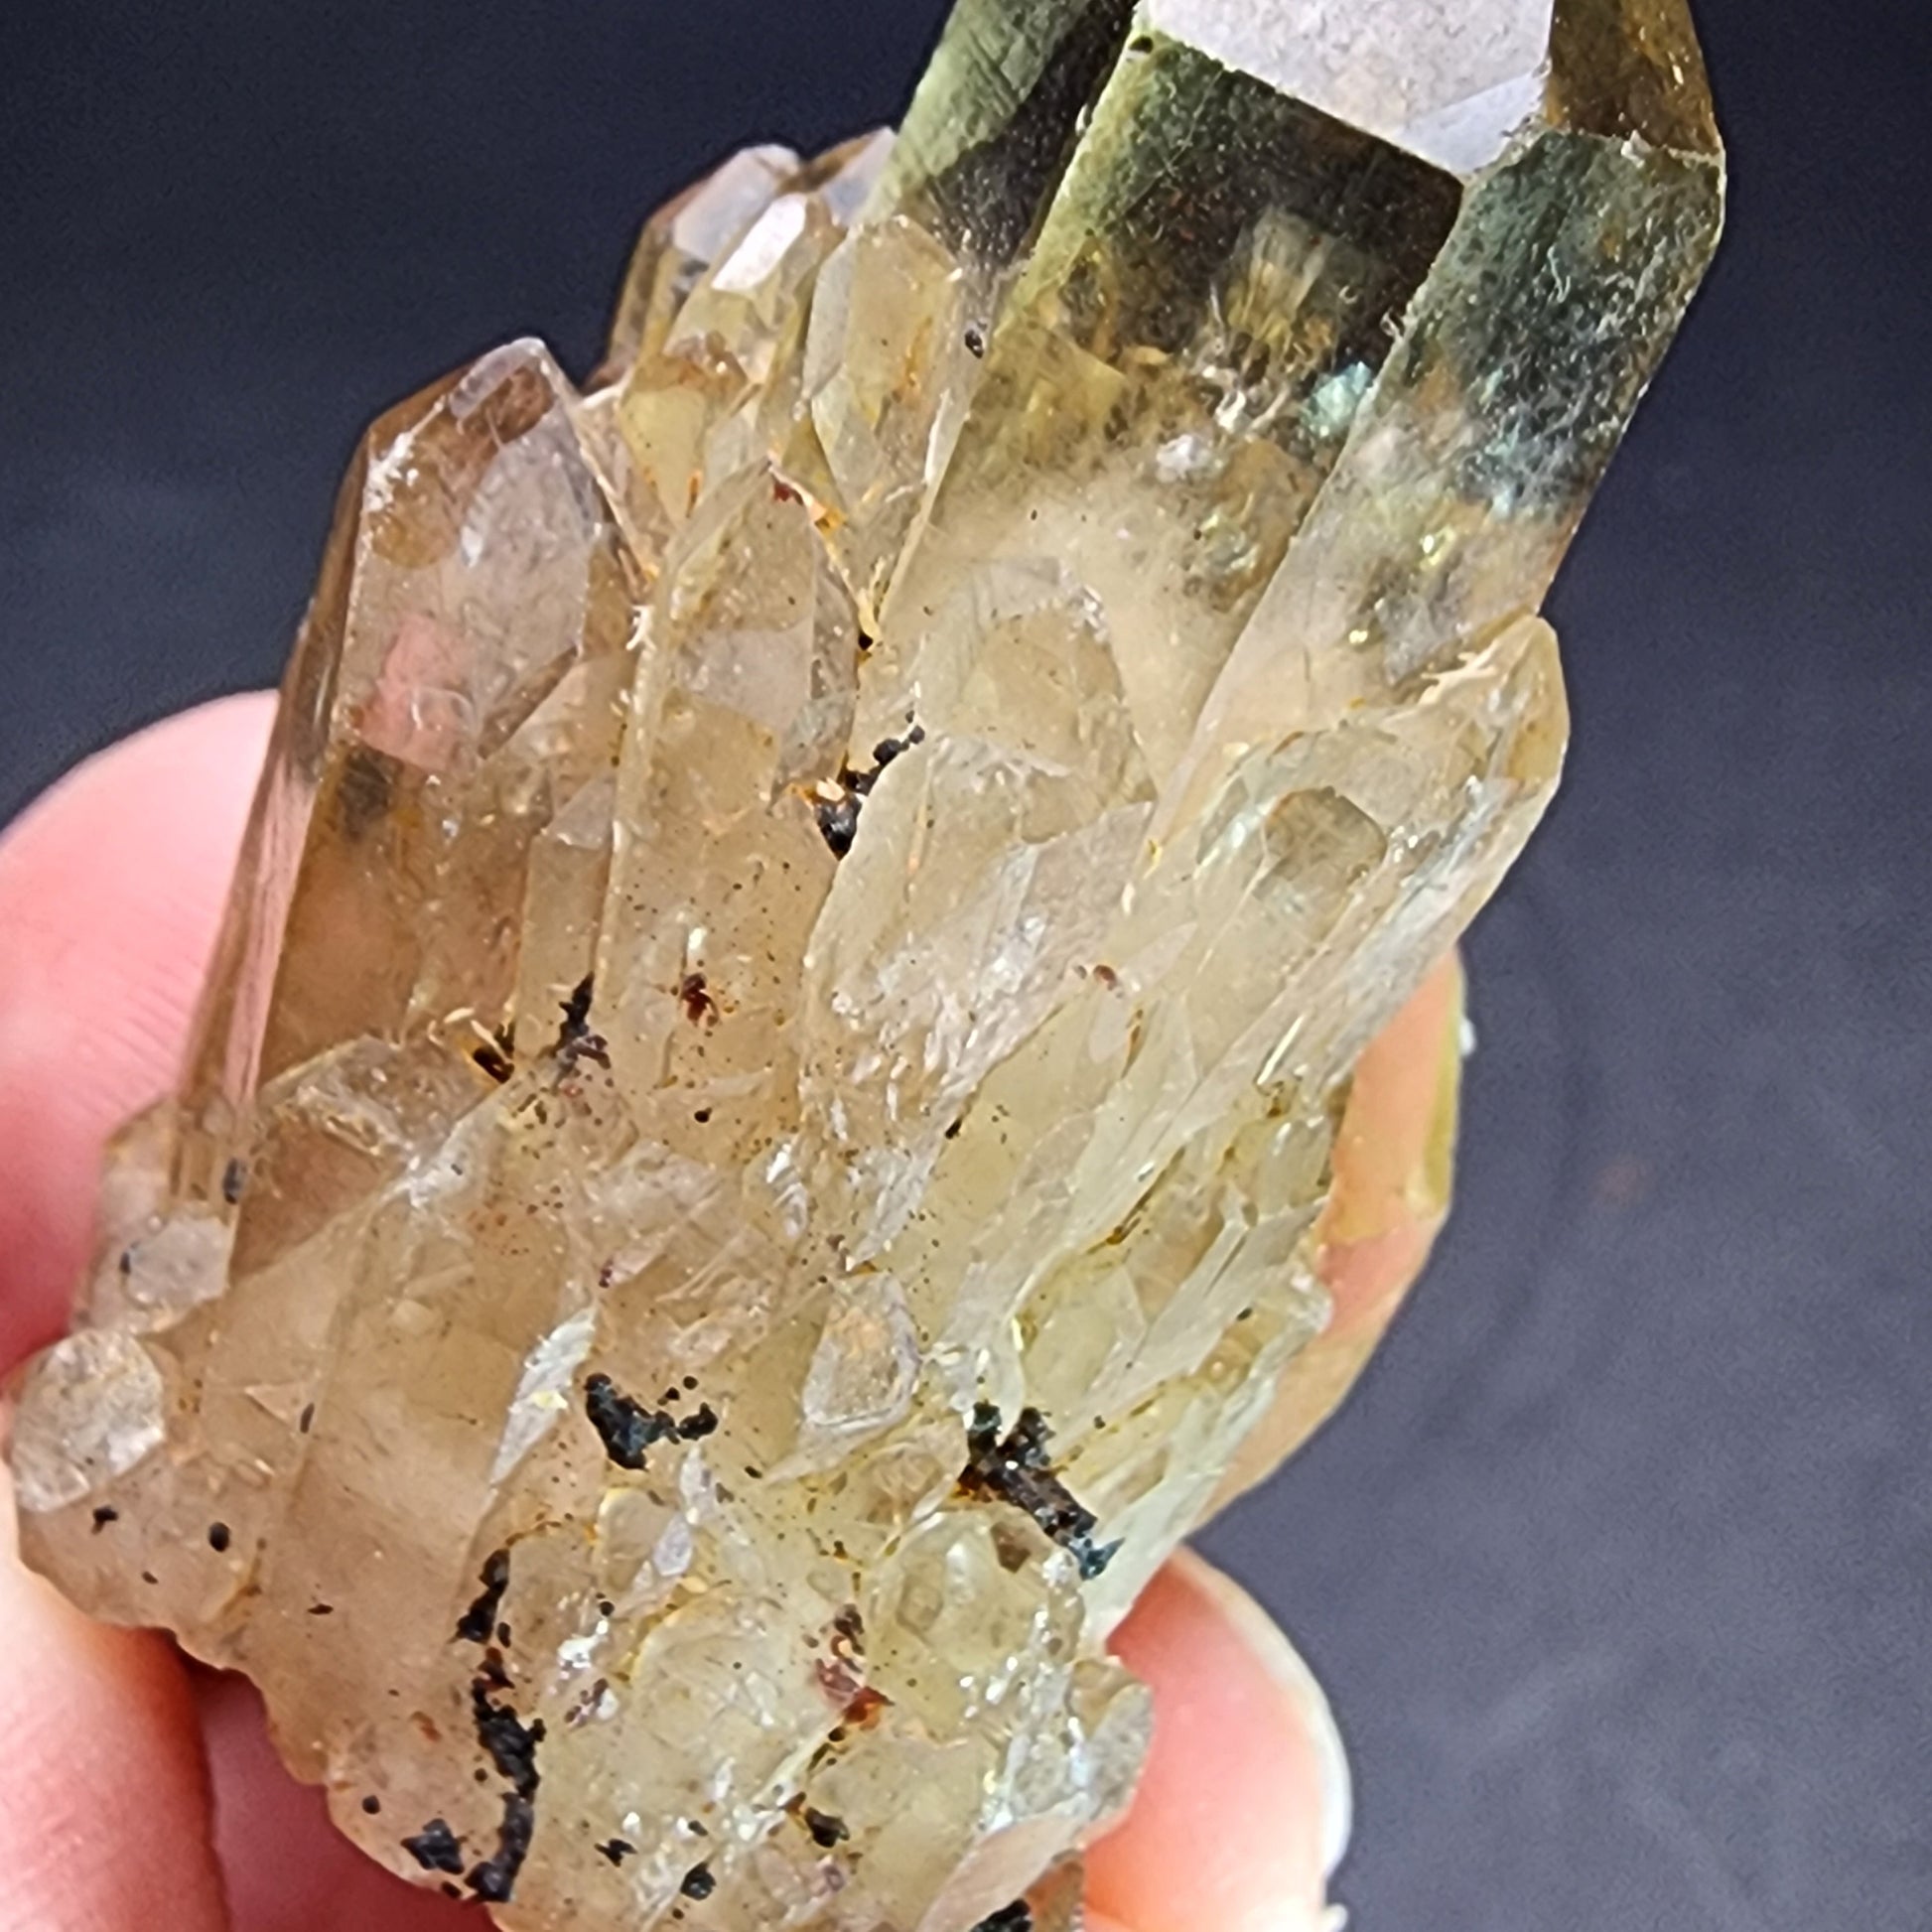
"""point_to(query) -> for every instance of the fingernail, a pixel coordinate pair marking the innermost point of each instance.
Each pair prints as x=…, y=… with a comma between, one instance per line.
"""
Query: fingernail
x=1285, y=1664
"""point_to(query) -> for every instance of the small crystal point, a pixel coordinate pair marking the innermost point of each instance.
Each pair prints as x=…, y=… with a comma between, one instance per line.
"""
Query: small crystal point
x=756, y=1142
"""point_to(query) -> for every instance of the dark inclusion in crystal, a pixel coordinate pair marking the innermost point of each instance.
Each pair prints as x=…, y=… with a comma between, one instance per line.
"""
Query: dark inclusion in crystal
x=1020, y=1471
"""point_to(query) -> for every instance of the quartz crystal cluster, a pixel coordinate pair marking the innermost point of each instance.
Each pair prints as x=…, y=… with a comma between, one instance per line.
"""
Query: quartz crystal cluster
x=751, y=1149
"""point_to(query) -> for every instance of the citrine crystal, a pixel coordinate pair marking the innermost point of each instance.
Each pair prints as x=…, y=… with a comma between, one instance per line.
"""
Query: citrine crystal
x=752, y=1154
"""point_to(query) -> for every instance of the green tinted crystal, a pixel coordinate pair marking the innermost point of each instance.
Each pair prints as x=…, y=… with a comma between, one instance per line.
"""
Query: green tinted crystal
x=993, y=122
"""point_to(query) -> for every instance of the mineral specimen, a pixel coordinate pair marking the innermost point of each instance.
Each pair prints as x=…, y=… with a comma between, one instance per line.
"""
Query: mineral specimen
x=752, y=1150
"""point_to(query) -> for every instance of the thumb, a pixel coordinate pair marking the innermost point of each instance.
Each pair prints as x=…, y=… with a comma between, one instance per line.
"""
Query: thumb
x=1244, y=1809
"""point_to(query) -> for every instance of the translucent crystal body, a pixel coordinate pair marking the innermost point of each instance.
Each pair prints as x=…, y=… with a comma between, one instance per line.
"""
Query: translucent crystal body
x=752, y=1150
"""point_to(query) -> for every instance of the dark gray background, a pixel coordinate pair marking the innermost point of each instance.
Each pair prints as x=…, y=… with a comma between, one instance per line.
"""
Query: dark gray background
x=1620, y=1564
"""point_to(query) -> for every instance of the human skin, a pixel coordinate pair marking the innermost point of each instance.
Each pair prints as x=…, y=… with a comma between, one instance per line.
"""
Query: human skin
x=141, y=1794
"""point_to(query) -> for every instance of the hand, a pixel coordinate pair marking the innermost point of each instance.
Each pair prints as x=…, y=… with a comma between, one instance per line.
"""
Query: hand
x=139, y=1792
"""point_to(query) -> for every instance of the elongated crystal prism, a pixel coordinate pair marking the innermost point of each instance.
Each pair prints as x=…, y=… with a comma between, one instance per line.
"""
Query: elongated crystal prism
x=751, y=1153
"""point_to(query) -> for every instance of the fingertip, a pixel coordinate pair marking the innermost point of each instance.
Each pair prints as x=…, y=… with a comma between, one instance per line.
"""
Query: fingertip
x=286, y=1867
x=111, y=887
x=1312, y=1714
x=1394, y=1150
x=103, y=1797
x=1244, y=1808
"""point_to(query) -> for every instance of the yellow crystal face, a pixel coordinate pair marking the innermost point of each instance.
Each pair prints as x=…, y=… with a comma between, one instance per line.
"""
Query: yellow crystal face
x=752, y=1151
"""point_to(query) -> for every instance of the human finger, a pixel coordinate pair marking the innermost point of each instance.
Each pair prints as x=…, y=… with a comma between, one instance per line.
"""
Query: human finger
x=1244, y=1809
x=288, y=1868
x=103, y=1797
x=112, y=889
